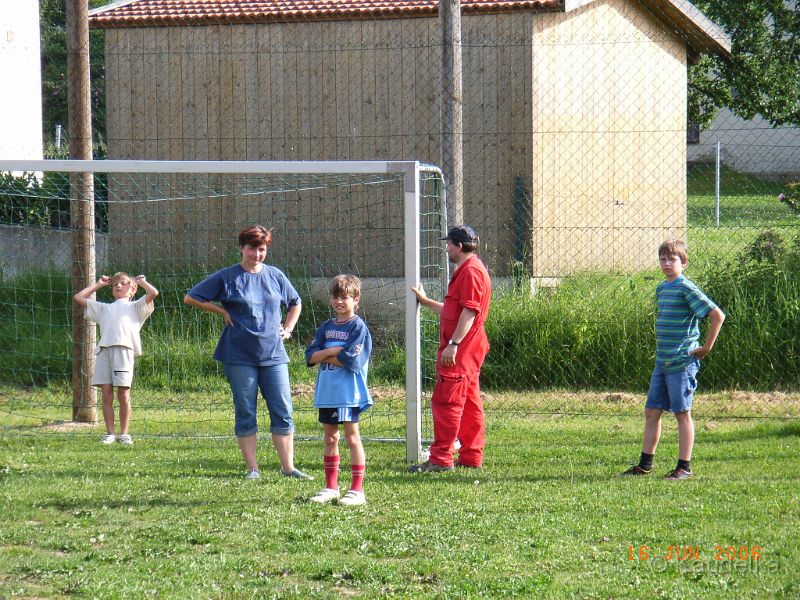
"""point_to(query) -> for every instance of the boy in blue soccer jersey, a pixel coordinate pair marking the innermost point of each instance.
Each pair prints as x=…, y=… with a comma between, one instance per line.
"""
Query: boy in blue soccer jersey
x=681, y=305
x=342, y=347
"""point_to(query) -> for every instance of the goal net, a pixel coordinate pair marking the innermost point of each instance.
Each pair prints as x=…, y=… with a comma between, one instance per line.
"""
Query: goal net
x=177, y=222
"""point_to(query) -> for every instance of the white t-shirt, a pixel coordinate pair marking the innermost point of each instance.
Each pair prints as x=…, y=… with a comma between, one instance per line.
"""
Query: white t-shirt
x=120, y=321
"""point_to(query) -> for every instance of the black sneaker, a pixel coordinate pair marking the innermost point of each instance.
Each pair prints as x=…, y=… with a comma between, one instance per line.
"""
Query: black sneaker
x=636, y=471
x=678, y=474
x=428, y=467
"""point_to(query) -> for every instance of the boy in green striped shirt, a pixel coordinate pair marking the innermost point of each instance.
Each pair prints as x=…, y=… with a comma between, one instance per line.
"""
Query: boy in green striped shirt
x=681, y=306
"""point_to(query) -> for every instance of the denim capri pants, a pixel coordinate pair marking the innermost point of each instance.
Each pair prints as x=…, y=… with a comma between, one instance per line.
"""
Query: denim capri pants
x=273, y=381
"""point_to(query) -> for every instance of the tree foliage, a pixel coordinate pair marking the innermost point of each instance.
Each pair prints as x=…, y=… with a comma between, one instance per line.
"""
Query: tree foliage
x=31, y=199
x=763, y=75
x=52, y=21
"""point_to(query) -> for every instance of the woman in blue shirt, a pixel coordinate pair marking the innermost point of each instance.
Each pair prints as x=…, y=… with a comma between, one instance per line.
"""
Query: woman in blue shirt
x=250, y=297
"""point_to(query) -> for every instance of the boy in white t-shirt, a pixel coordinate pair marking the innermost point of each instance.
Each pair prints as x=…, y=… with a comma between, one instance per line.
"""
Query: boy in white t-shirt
x=120, y=322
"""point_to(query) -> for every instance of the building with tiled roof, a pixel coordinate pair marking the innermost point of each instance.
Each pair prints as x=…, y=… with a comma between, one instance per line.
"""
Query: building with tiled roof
x=574, y=110
x=139, y=13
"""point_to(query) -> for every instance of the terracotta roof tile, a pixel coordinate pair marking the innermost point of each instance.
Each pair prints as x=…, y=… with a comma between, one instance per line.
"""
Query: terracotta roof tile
x=141, y=13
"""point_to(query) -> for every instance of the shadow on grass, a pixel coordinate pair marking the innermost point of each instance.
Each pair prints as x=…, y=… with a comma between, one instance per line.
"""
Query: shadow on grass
x=760, y=431
x=486, y=475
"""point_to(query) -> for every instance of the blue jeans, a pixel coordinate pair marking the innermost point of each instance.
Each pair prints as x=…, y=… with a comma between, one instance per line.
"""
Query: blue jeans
x=273, y=381
x=673, y=391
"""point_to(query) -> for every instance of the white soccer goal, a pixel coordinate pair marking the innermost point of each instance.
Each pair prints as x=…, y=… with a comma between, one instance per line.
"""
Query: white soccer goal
x=177, y=221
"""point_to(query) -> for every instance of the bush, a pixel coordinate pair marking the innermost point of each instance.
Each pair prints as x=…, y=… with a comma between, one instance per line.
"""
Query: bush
x=768, y=247
x=23, y=201
x=759, y=291
x=30, y=200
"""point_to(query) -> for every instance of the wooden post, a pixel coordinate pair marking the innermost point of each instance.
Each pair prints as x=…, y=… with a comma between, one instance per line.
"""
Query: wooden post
x=84, y=398
x=452, y=105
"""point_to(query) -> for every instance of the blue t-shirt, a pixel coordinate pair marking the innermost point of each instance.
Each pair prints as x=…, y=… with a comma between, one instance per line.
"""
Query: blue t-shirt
x=254, y=301
x=344, y=386
x=681, y=305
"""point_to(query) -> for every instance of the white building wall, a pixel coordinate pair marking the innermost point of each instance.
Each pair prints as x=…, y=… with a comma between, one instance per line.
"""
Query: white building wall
x=750, y=146
x=20, y=73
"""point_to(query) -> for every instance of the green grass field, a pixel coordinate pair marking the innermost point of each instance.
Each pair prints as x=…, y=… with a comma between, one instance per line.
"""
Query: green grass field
x=748, y=206
x=548, y=516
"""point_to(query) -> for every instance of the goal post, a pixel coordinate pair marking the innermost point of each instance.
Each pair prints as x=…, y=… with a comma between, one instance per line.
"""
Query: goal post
x=179, y=219
x=411, y=256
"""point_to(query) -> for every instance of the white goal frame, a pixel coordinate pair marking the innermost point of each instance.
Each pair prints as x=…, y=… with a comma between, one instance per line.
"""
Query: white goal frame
x=410, y=170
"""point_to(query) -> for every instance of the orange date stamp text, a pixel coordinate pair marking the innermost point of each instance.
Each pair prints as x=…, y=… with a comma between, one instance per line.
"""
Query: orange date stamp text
x=688, y=553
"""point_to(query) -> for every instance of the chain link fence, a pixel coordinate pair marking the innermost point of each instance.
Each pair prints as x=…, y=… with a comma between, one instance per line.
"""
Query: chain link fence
x=576, y=156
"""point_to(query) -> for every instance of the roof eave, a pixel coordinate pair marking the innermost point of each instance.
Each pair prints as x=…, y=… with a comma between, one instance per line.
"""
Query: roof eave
x=108, y=7
x=99, y=19
x=702, y=35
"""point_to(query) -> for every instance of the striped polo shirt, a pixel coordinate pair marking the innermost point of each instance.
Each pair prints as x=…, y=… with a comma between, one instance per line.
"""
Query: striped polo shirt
x=681, y=305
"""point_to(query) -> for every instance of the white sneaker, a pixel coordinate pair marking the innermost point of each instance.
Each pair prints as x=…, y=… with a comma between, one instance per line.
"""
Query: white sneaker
x=254, y=474
x=108, y=438
x=325, y=495
x=126, y=439
x=353, y=498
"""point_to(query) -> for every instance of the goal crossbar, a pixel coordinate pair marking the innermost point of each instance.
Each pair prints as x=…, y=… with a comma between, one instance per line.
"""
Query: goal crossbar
x=311, y=167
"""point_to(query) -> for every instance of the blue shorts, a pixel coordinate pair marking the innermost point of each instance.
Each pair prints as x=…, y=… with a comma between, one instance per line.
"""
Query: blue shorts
x=673, y=391
x=273, y=381
x=336, y=416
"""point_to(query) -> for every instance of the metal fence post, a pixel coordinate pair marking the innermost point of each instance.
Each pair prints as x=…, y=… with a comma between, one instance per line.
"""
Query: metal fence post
x=717, y=177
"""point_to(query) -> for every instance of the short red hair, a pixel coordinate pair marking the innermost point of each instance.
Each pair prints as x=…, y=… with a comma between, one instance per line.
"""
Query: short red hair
x=254, y=236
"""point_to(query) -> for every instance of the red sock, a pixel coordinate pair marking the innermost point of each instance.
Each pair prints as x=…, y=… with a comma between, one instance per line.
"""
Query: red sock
x=357, y=471
x=331, y=471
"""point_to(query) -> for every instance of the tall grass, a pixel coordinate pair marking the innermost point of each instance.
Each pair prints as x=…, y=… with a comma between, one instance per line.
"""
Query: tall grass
x=591, y=332
x=179, y=342
x=34, y=328
x=761, y=296
x=597, y=332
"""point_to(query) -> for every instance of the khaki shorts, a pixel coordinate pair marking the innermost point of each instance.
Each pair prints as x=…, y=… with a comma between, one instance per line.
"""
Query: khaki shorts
x=113, y=365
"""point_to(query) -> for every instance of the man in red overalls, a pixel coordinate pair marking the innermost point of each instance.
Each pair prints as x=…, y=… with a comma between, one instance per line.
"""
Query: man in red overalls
x=456, y=402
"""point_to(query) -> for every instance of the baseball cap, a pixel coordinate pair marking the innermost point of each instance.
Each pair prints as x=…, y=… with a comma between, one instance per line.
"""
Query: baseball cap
x=463, y=234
